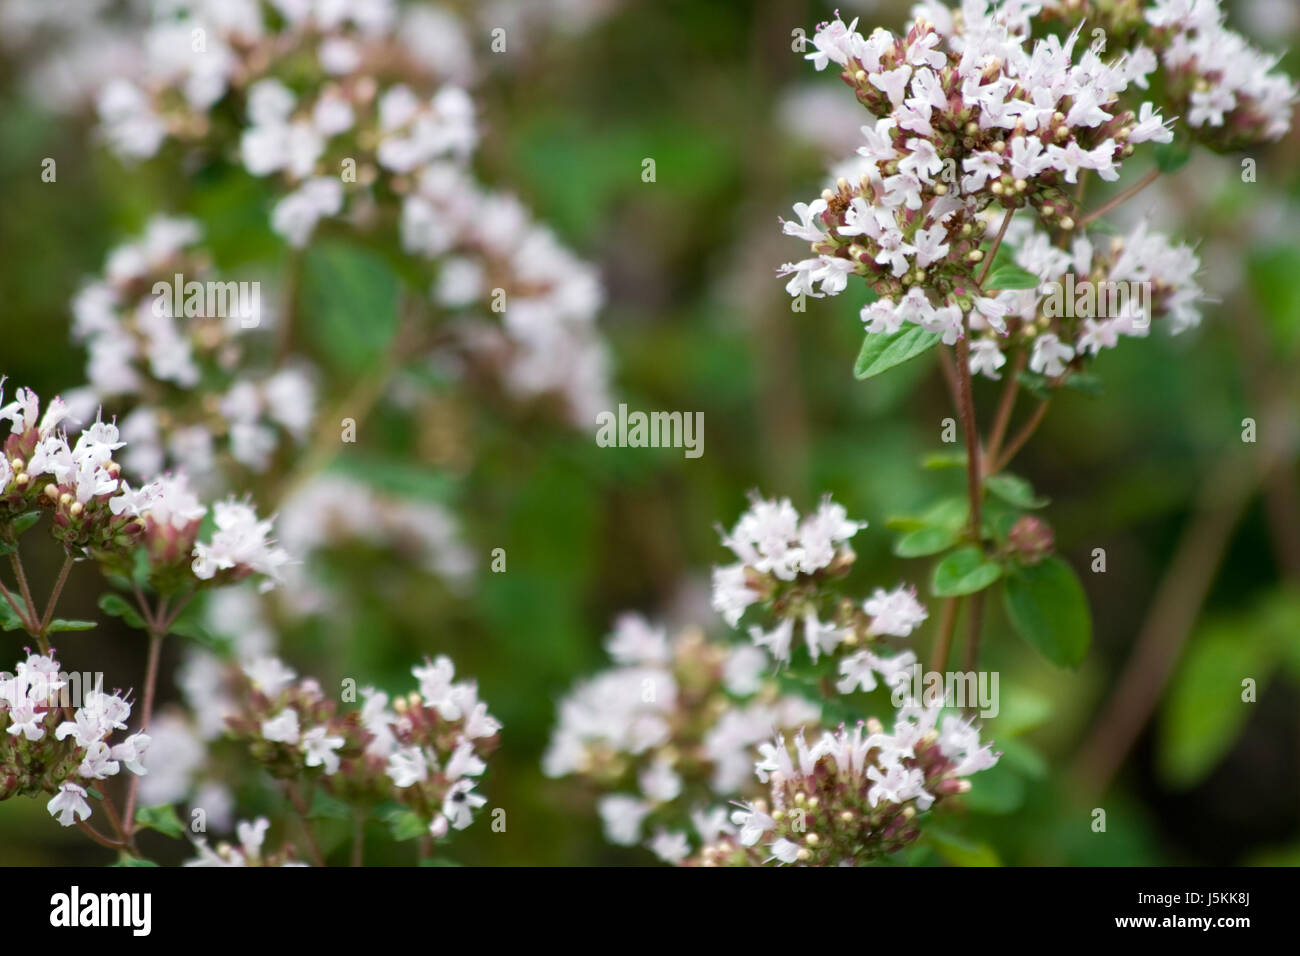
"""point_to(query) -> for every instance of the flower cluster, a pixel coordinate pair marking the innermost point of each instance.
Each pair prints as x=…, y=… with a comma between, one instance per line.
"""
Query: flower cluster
x=958, y=129
x=56, y=737
x=1124, y=283
x=192, y=383
x=97, y=512
x=248, y=852
x=79, y=481
x=784, y=564
x=1227, y=88
x=350, y=123
x=669, y=729
x=852, y=796
x=422, y=752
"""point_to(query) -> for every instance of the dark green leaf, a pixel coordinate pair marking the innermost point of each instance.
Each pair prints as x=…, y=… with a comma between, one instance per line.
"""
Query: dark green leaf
x=163, y=819
x=965, y=571
x=405, y=824
x=10, y=621
x=882, y=352
x=1170, y=157
x=60, y=624
x=925, y=541
x=960, y=850
x=997, y=790
x=1010, y=276
x=1035, y=384
x=1047, y=607
x=349, y=304
x=192, y=630
x=944, y=459
x=1204, y=710
x=1014, y=490
x=117, y=606
x=326, y=807
x=25, y=521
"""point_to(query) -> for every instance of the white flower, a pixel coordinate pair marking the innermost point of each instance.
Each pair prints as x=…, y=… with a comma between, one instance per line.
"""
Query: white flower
x=131, y=752
x=986, y=358
x=660, y=782
x=621, y=816
x=1050, y=355
x=283, y=728
x=320, y=749
x=753, y=823
x=896, y=613
x=670, y=847
x=407, y=766
x=270, y=675
x=69, y=804
x=461, y=802
x=98, y=763
x=784, y=850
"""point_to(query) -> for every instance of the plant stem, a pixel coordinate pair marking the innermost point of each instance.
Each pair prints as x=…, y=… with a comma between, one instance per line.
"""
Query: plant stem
x=358, y=840
x=54, y=594
x=943, y=640
x=13, y=603
x=156, y=636
x=300, y=807
x=1119, y=199
x=966, y=407
x=25, y=590
x=997, y=241
x=1022, y=436
x=974, y=625
x=98, y=837
x=1002, y=419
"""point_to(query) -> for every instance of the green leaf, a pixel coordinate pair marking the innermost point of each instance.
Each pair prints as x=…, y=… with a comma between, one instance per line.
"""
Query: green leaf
x=960, y=850
x=405, y=824
x=1170, y=157
x=948, y=513
x=925, y=541
x=326, y=807
x=998, y=790
x=1034, y=384
x=125, y=860
x=1272, y=271
x=163, y=819
x=116, y=606
x=349, y=304
x=439, y=861
x=965, y=571
x=25, y=521
x=1084, y=383
x=1047, y=607
x=1203, y=712
x=60, y=624
x=882, y=352
x=187, y=627
x=1020, y=710
x=1014, y=490
x=1022, y=757
x=1010, y=276
x=944, y=459
x=10, y=621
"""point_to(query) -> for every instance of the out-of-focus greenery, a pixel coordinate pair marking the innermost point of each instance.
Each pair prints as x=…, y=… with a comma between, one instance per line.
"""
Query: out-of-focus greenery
x=698, y=322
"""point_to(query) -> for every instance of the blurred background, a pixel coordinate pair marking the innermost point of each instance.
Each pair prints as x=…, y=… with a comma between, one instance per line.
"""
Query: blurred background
x=1202, y=543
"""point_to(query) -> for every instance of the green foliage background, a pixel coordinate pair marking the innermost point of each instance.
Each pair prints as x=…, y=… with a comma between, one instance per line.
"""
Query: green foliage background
x=698, y=322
